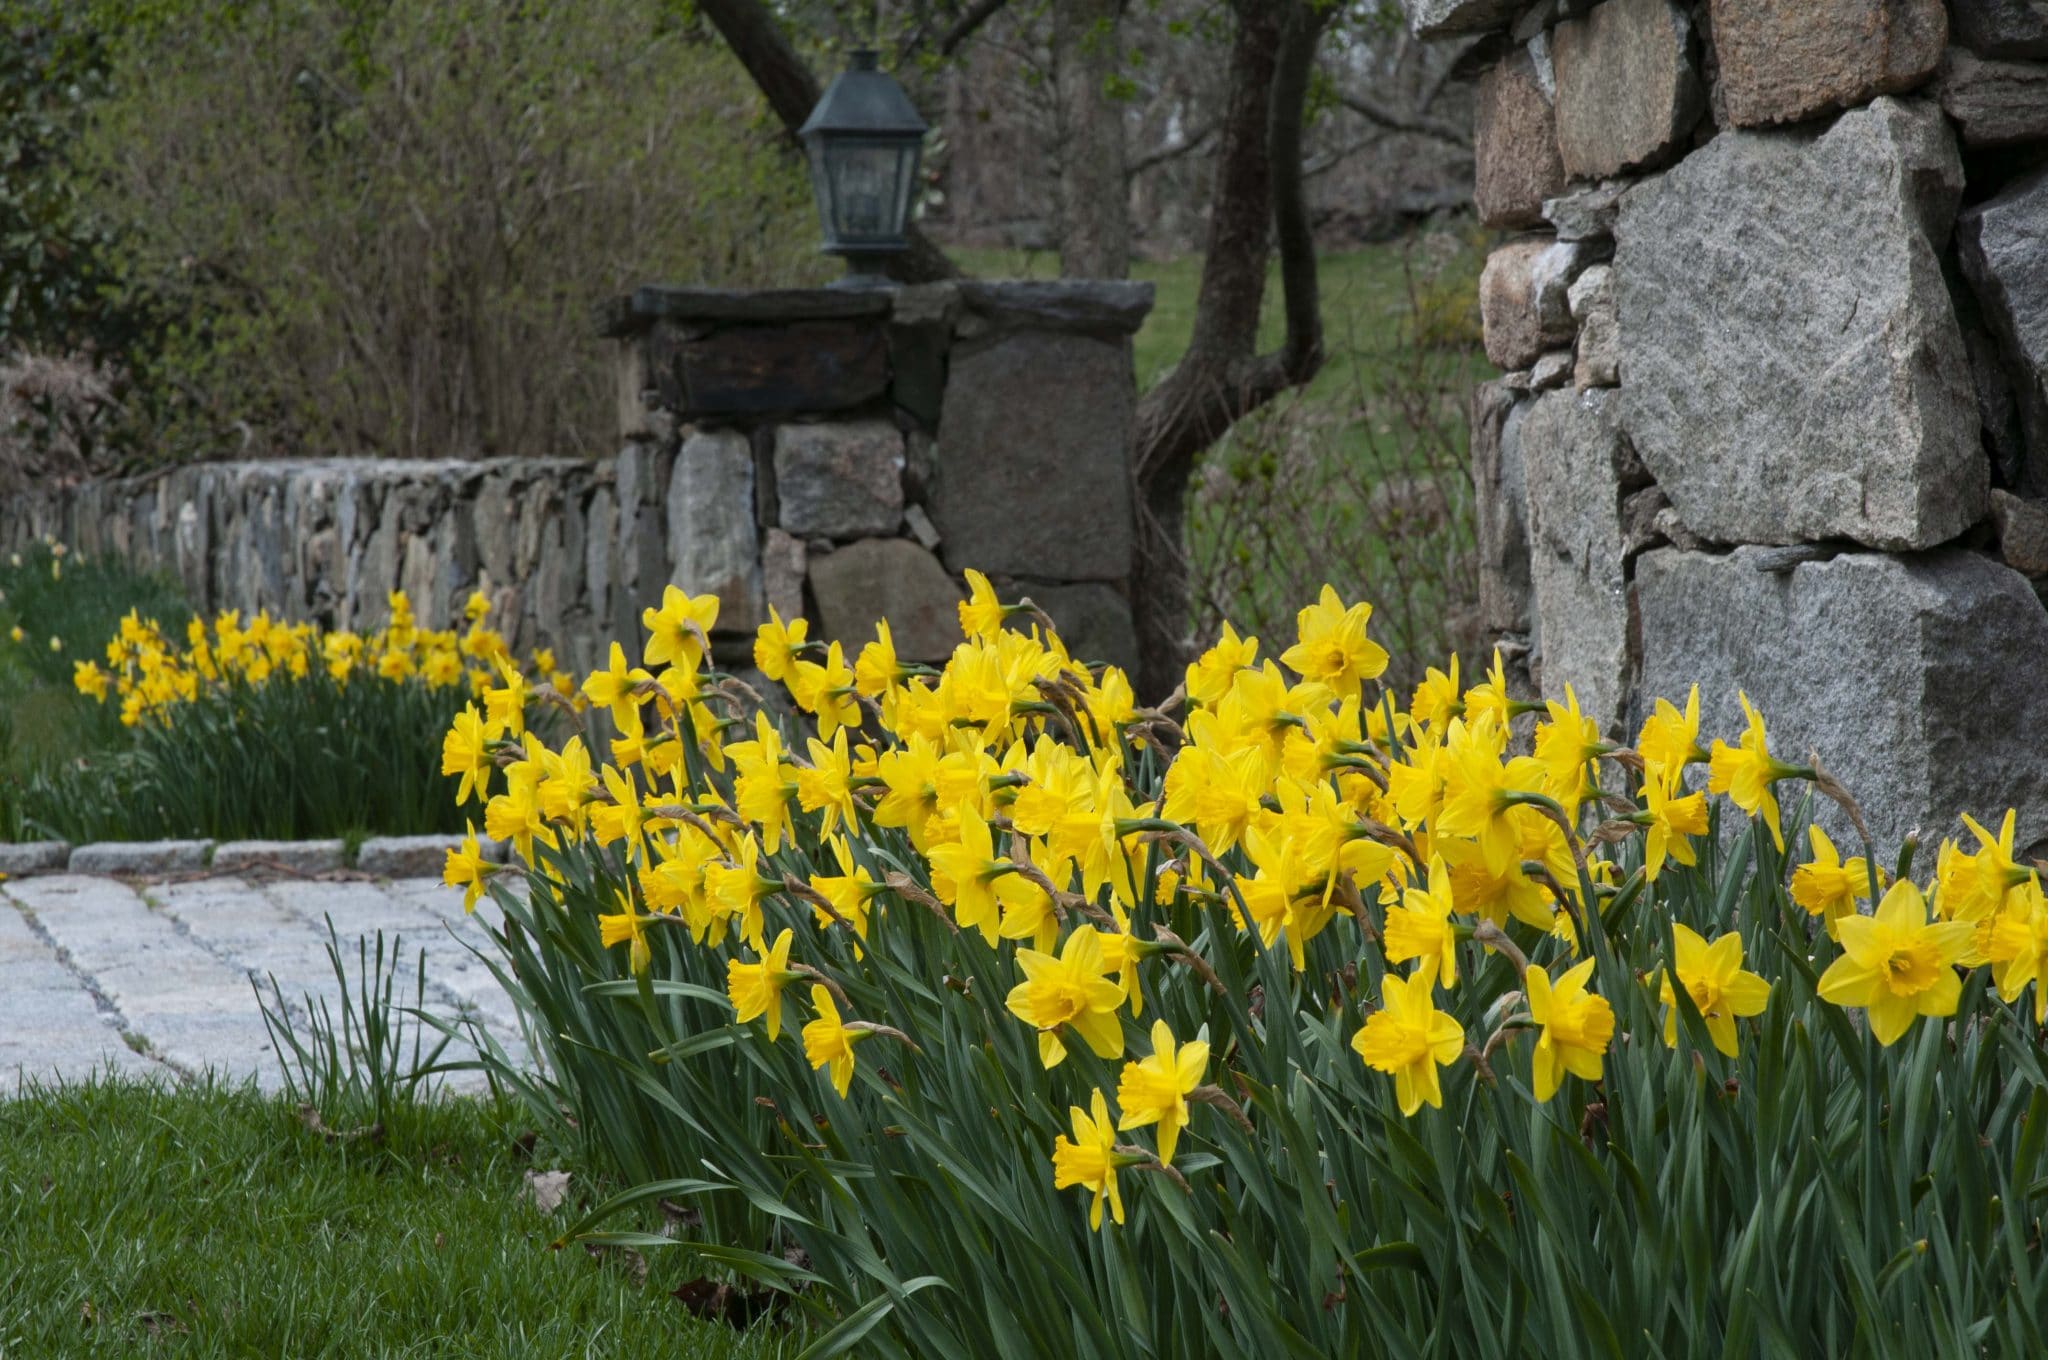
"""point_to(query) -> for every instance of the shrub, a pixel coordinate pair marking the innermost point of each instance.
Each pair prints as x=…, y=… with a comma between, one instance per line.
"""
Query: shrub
x=1004, y=1018
x=381, y=229
x=269, y=730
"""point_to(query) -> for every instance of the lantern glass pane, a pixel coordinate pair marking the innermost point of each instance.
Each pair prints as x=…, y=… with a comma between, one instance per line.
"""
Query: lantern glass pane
x=907, y=155
x=865, y=191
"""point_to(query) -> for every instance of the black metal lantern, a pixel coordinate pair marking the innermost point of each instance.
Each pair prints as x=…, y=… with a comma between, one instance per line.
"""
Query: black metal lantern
x=864, y=140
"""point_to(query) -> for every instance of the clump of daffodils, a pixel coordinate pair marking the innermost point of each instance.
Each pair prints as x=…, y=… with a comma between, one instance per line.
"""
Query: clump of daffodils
x=151, y=673
x=1287, y=810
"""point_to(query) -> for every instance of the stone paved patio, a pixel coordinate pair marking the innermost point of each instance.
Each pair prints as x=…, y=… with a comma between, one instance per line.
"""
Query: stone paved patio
x=152, y=979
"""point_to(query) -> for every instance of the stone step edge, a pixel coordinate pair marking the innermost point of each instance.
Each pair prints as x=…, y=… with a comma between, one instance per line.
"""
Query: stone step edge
x=377, y=856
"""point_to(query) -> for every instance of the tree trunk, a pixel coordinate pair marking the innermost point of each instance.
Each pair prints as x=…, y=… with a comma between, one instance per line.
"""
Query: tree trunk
x=1094, y=205
x=1257, y=203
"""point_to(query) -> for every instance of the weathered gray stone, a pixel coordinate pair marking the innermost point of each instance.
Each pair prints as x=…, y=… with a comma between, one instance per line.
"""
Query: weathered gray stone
x=139, y=857
x=1994, y=103
x=2001, y=28
x=1643, y=513
x=2004, y=248
x=1514, y=144
x=417, y=856
x=712, y=546
x=637, y=311
x=1093, y=618
x=33, y=857
x=1034, y=456
x=864, y=583
x=1448, y=18
x=1934, y=722
x=1103, y=308
x=2022, y=532
x=1592, y=304
x=840, y=481
x=1783, y=61
x=783, y=559
x=300, y=857
x=1501, y=501
x=1627, y=91
x=1553, y=370
x=1817, y=388
x=1579, y=470
x=1586, y=214
x=921, y=527
x=1524, y=300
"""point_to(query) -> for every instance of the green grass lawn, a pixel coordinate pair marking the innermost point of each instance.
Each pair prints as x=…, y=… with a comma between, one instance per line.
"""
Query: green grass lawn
x=137, y=1220
x=1367, y=296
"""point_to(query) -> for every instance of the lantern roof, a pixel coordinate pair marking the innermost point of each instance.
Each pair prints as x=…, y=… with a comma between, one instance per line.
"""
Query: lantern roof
x=864, y=99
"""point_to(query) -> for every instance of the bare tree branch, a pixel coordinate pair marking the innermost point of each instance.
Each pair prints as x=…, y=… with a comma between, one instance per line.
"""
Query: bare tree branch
x=1398, y=120
x=963, y=27
x=1171, y=151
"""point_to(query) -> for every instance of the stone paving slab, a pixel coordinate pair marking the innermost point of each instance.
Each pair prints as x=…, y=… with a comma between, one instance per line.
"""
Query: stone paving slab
x=98, y=972
x=51, y=1027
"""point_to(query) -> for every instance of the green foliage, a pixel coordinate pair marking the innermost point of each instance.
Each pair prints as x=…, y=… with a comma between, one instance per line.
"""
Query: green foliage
x=55, y=256
x=43, y=719
x=359, y=1069
x=1816, y=1194
x=80, y=602
x=291, y=759
x=205, y=1222
x=380, y=229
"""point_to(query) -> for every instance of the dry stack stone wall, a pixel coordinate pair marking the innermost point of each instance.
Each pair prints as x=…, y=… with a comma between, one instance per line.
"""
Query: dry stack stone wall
x=840, y=456
x=1773, y=327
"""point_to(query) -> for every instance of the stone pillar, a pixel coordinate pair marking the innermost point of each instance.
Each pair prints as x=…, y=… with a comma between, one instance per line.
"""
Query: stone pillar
x=844, y=456
x=1774, y=409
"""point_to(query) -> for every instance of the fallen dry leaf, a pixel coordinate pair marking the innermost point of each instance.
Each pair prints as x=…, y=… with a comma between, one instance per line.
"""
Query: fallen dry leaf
x=548, y=1188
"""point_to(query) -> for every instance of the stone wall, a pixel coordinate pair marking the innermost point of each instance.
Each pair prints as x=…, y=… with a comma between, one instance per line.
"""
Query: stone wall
x=834, y=455
x=1774, y=412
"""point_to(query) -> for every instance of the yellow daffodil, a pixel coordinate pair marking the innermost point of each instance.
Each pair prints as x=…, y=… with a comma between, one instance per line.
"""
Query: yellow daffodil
x=1674, y=818
x=1670, y=740
x=1897, y=964
x=1713, y=976
x=1331, y=648
x=1090, y=1159
x=1408, y=1038
x=1827, y=885
x=1069, y=991
x=1209, y=676
x=676, y=632
x=467, y=869
x=777, y=645
x=1746, y=772
x=981, y=613
x=756, y=988
x=1437, y=699
x=2020, y=950
x=1155, y=1090
x=1576, y=1027
x=1566, y=746
x=616, y=687
x=628, y=925
x=1422, y=927
x=828, y=1042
